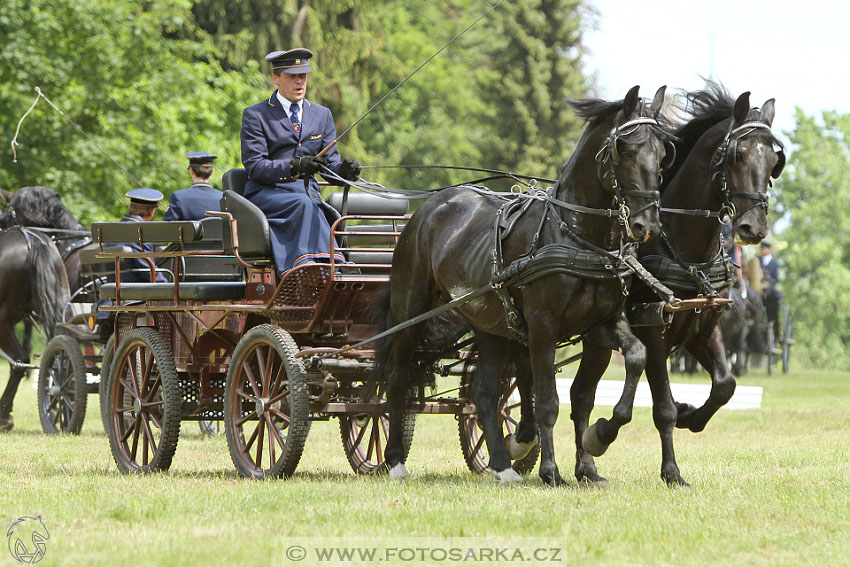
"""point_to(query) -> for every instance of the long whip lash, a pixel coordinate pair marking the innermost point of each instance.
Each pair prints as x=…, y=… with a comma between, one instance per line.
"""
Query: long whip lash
x=41, y=95
x=404, y=80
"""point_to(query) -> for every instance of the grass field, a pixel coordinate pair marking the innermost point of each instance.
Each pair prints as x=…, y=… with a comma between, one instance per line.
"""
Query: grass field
x=770, y=487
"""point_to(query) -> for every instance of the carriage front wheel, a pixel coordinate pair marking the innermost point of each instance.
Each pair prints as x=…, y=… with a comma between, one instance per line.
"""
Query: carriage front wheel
x=364, y=436
x=787, y=341
x=62, y=388
x=143, y=403
x=266, y=404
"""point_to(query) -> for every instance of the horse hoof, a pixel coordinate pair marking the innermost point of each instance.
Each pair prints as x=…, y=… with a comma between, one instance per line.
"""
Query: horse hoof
x=591, y=443
x=6, y=424
x=399, y=472
x=553, y=479
x=591, y=479
x=508, y=475
x=517, y=450
x=676, y=482
x=683, y=415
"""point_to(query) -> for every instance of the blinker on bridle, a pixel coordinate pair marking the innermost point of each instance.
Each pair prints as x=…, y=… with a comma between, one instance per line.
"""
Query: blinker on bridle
x=608, y=154
x=726, y=156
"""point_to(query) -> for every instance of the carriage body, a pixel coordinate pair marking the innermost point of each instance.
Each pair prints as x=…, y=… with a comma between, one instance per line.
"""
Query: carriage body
x=229, y=340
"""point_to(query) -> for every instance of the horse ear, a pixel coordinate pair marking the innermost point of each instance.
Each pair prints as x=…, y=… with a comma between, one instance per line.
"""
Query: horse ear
x=631, y=101
x=742, y=108
x=768, y=111
x=657, y=102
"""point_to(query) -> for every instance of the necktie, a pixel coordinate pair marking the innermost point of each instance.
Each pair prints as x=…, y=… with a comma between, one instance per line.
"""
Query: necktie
x=294, y=117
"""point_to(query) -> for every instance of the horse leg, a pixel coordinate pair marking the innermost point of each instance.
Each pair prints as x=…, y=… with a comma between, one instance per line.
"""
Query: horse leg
x=9, y=343
x=594, y=361
x=519, y=444
x=664, y=412
x=601, y=434
x=399, y=380
x=542, y=354
x=712, y=355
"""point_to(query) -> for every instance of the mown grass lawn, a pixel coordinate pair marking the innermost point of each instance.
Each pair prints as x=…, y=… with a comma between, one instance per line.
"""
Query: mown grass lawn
x=770, y=487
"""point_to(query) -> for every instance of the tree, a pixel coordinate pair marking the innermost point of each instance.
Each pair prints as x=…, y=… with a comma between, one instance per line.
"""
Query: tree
x=814, y=201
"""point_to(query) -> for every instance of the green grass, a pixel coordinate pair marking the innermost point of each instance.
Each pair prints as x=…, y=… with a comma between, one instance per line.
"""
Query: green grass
x=770, y=487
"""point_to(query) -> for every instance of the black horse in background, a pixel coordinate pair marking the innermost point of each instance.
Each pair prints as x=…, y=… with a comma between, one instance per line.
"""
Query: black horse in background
x=745, y=328
x=33, y=279
x=726, y=156
x=460, y=240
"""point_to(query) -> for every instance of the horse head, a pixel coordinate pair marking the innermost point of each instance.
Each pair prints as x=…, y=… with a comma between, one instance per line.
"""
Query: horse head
x=746, y=161
x=629, y=142
x=38, y=207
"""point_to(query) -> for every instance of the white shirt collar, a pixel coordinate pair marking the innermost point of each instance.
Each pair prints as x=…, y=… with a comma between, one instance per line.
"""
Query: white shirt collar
x=287, y=105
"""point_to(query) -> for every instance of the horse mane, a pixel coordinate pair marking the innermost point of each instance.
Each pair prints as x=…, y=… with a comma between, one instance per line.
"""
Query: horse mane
x=36, y=206
x=595, y=111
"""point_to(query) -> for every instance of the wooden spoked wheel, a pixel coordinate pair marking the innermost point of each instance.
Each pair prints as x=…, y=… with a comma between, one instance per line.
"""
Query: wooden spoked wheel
x=266, y=404
x=364, y=437
x=143, y=403
x=471, y=434
x=786, y=339
x=62, y=389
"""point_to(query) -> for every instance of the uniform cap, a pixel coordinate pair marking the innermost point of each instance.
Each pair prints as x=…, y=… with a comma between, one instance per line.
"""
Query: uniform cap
x=295, y=61
x=144, y=196
x=201, y=158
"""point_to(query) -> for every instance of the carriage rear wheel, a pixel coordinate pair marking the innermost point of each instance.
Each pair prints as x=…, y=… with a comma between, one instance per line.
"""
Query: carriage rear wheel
x=771, y=352
x=364, y=436
x=143, y=403
x=62, y=389
x=266, y=404
x=105, y=364
x=787, y=341
x=471, y=434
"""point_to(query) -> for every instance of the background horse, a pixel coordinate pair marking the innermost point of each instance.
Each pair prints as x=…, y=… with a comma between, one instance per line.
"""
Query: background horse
x=745, y=328
x=450, y=246
x=725, y=160
x=32, y=280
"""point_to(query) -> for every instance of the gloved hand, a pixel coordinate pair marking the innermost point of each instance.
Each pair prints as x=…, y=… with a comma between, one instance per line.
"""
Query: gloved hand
x=349, y=169
x=307, y=165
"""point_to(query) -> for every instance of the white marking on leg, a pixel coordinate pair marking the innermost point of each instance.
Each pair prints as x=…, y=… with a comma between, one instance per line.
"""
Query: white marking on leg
x=399, y=472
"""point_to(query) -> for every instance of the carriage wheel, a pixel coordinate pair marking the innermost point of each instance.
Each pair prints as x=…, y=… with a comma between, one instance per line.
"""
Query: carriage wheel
x=143, y=403
x=364, y=437
x=105, y=363
x=472, y=436
x=786, y=339
x=62, y=389
x=266, y=404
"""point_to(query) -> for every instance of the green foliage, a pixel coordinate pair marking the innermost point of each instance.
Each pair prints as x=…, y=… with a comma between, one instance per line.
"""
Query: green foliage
x=814, y=196
x=148, y=80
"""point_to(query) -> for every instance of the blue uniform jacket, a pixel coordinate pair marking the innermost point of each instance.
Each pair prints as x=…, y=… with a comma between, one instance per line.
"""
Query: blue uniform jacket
x=137, y=269
x=298, y=218
x=190, y=203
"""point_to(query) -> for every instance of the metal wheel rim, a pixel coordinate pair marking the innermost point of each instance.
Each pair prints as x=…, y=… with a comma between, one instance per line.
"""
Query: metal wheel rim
x=59, y=401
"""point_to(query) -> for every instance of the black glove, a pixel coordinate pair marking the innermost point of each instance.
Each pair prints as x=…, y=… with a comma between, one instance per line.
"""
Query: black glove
x=307, y=165
x=349, y=169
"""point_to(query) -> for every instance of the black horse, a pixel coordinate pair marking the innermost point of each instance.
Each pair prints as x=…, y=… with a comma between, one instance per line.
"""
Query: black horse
x=726, y=157
x=460, y=239
x=33, y=281
x=745, y=328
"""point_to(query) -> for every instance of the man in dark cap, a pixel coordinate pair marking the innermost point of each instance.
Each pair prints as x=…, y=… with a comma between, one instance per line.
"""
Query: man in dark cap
x=142, y=208
x=192, y=202
x=281, y=139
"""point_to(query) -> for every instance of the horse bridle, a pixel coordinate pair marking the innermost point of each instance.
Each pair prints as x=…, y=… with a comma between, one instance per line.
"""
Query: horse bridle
x=608, y=155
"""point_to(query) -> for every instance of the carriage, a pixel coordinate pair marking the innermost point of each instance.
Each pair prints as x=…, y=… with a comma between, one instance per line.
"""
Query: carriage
x=228, y=339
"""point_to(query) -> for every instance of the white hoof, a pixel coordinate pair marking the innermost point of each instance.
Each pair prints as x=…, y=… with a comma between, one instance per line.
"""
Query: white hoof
x=518, y=450
x=507, y=475
x=399, y=472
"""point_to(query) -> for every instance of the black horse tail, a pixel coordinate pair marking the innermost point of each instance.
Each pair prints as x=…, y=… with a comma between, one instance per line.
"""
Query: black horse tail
x=49, y=284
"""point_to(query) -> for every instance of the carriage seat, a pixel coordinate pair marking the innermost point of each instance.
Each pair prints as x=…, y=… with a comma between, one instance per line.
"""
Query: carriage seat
x=188, y=291
x=251, y=224
x=207, y=267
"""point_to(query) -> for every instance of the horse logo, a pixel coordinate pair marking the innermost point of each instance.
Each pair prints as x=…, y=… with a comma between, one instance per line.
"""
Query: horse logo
x=27, y=539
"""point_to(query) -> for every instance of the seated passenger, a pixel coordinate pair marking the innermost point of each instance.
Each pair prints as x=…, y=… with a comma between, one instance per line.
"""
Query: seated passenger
x=192, y=202
x=281, y=137
x=142, y=208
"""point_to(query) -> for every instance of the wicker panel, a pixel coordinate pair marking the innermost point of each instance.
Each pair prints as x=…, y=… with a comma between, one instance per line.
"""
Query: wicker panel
x=299, y=292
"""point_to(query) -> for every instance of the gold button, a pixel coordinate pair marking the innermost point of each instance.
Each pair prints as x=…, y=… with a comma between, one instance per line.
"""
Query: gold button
x=299, y=144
